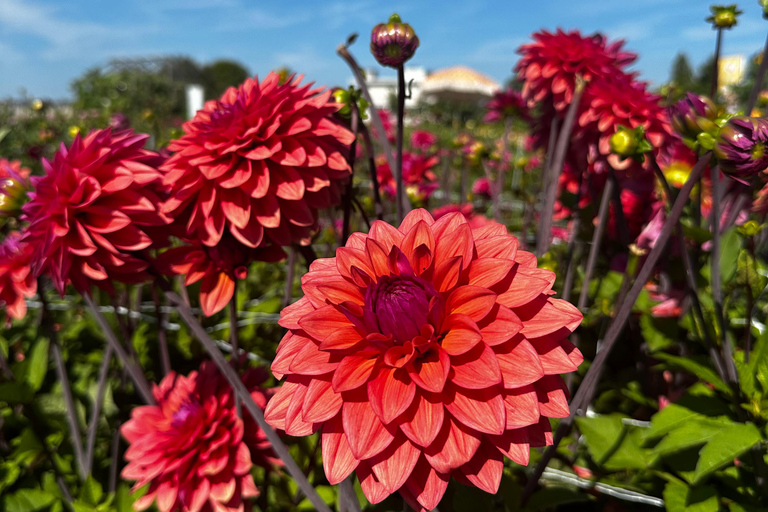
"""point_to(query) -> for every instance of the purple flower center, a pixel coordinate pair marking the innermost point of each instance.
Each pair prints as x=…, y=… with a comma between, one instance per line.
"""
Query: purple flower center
x=399, y=306
x=186, y=410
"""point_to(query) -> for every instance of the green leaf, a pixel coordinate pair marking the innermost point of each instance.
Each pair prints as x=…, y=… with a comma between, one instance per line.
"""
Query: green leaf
x=28, y=500
x=551, y=496
x=38, y=364
x=678, y=497
x=725, y=446
x=691, y=433
x=659, y=333
x=91, y=491
x=27, y=448
x=705, y=373
x=602, y=433
x=16, y=393
x=689, y=407
x=730, y=245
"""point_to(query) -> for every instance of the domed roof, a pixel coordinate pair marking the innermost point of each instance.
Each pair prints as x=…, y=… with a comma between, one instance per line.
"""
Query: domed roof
x=460, y=79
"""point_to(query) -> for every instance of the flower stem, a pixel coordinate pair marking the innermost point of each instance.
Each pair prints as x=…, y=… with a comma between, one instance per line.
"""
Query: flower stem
x=137, y=376
x=378, y=207
x=589, y=384
x=758, y=85
x=716, y=71
x=254, y=410
x=90, y=443
x=545, y=222
x=165, y=358
x=347, y=499
x=291, y=269
x=350, y=189
x=597, y=241
x=399, y=159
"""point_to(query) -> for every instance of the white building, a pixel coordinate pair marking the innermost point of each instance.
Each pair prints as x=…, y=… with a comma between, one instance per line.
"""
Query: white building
x=382, y=88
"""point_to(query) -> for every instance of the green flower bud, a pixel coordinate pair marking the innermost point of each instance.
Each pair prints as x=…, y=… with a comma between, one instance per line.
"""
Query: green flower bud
x=724, y=16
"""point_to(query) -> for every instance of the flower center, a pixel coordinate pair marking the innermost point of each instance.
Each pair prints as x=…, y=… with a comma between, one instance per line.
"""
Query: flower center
x=186, y=410
x=758, y=151
x=399, y=305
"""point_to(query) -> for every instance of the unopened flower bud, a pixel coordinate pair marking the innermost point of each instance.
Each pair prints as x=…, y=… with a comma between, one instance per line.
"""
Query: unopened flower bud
x=623, y=142
x=724, y=16
x=764, y=5
x=13, y=187
x=741, y=146
x=394, y=42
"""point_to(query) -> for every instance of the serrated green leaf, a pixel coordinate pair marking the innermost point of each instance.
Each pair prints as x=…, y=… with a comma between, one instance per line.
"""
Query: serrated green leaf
x=691, y=433
x=28, y=500
x=725, y=446
x=678, y=497
x=705, y=373
x=687, y=408
x=38, y=364
x=603, y=434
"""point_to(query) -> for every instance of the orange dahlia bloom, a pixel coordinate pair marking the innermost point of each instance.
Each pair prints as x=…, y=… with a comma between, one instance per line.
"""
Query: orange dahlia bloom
x=90, y=213
x=425, y=352
x=16, y=279
x=259, y=161
x=192, y=448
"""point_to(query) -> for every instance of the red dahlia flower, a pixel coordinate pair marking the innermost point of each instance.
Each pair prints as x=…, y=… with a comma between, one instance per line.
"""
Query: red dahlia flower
x=418, y=175
x=422, y=140
x=506, y=104
x=90, y=214
x=191, y=448
x=422, y=353
x=259, y=161
x=16, y=279
x=217, y=266
x=548, y=67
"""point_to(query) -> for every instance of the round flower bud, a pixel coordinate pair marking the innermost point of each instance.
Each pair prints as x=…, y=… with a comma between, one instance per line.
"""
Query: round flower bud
x=623, y=142
x=741, y=146
x=724, y=16
x=13, y=187
x=764, y=5
x=394, y=42
x=37, y=105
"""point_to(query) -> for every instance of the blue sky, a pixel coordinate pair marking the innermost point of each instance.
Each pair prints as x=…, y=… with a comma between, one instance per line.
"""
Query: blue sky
x=44, y=44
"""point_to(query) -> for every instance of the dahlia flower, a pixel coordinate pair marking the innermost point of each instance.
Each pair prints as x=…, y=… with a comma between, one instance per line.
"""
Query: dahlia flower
x=14, y=182
x=418, y=175
x=474, y=220
x=548, y=67
x=506, y=104
x=258, y=163
x=218, y=267
x=741, y=146
x=691, y=116
x=17, y=282
x=424, y=352
x=423, y=140
x=90, y=214
x=482, y=187
x=192, y=448
x=638, y=196
x=394, y=42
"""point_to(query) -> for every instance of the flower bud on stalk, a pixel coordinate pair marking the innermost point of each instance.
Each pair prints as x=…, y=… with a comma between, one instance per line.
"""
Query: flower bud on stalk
x=764, y=5
x=13, y=188
x=724, y=16
x=741, y=146
x=394, y=42
x=697, y=120
x=627, y=143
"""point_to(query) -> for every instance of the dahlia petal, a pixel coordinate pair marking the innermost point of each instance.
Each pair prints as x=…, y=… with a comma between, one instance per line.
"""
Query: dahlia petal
x=321, y=402
x=251, y=235
x=267, y=211
x=461, y=334
x=500, y=325
x=166, y=495
x=353, y=371
x=514, y=444
x=430, y=371
x=374, y=490
x=413, y=217
x=268, y=148
x=493, y=229
x=390, y=393
x=216, y=291
x=331, y=328
x=237, y=176
x=541, y=434
x=448, y=223
x=290, y=315
x=485, y=469
x=486, y=272
x=295, y=425
x=453, y=447
x=243, y=461
x=338, y=461
x=289, y=346
x=388, y=236
x=289, y=184
x=223, y=491
x=236, y=206
x=526, y=259
x=519, y=363
x=525, y=286
x=377, y=257
x=259, y=182
x=473, y=301
x=522, y=406
x=199, y=496
x=105, y=220
x=503, y=247
x=425, y=485
x=348, y=258
x=338, y=291
x=419, y=236
x=423, y=420
x=553, y=397
x=454, y=243
x=553, y=357
x=214, y=228
x=298, y=213
x=394, y=465
x=476, y=369
x=447, y=273
x=366, y=434
x=277, y=407
x=545, y=315
x=248, y=489
x=310, y=360
x=479, y=409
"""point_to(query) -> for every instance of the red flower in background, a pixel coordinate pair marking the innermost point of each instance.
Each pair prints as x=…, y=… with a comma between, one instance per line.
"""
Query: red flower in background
x=192, y=448
x=16, y=279
x=549, y=66
x=475, y=220
x=422, y=353
x=422, y=140
x=218, y=267
x=418, y=174
x=387, y=123
x=258, y=163
x=90, y=214
x=482, y=187
x=506, y=104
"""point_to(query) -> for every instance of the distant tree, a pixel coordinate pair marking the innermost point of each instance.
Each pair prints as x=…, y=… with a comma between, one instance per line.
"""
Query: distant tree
x=682, y=73
x=221, y=74
x=744, y=89
x=704, y=76
x=182, y=69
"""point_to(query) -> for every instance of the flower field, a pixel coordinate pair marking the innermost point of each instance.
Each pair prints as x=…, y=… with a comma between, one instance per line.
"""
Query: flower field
x=551, y=298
